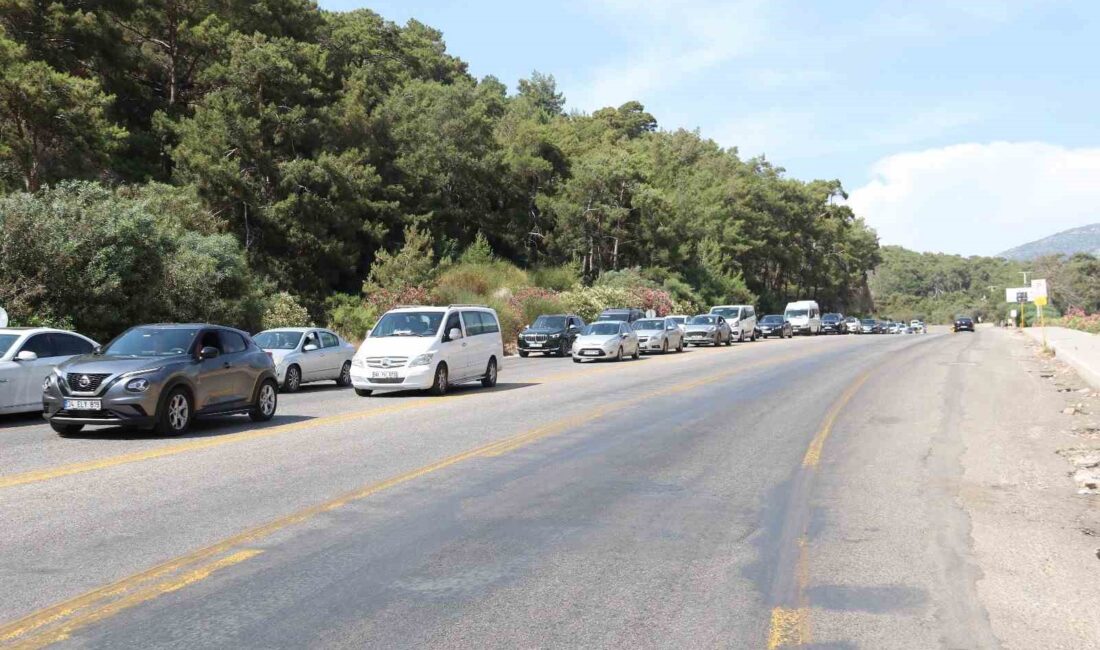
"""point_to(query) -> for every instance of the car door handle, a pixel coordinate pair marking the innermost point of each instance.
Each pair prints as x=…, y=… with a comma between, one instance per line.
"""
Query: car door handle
x=3, y=381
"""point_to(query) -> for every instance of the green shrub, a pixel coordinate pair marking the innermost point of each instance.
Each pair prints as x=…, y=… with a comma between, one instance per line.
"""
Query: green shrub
x=350, y=317
x=533, y=302
x=556, y=278
x=510, y=320
x=588, y=302
x=479, y=252
x=460, y=282
x=412, y=265
x=283, y=310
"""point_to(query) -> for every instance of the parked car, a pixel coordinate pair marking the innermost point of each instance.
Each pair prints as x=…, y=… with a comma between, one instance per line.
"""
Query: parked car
x=804, y=316
x=162, y=377
x=776, y=325
x=741, y=320
x=306, y=354
x=868, y=326
x=606, y=340
x=429, y=348
x=917, y=326
x=708, y=329
x=550, y=334
x=964, y=323
x=627, y=315
x=852, y=325
x=681, y=321
x=659, y=335
x=28, y=357
x=833, y=324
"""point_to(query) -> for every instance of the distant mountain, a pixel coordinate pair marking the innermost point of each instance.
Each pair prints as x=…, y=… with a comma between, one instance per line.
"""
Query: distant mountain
x=1085, y=239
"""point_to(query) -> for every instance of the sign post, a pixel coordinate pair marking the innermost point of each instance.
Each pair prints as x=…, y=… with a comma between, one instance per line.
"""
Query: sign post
x=1038, y=296
x=3, y=317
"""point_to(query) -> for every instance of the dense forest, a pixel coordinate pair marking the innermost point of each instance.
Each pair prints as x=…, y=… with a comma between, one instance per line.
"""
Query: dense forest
x=267, y=162
x=176, y=153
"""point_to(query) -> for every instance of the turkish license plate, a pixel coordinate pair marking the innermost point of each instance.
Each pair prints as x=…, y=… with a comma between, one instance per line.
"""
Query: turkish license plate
x=591, y=353
x=83, y=405
x=384, y=374
x=534, y=345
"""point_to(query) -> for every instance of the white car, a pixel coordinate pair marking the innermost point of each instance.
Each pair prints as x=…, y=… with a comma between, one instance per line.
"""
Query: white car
x=606, y=340
x=681, y=321
x=429, y=348
x=805, y=317
x=306, y=354
x=741, y=319
x=918, y=326
x=659, y=335
x=28, y=357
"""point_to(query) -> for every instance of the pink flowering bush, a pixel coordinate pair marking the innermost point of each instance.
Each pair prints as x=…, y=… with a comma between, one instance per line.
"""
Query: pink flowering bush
x=1077, y=319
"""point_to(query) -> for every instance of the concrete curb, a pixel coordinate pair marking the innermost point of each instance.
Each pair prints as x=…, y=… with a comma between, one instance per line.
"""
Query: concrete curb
x=1080, y=350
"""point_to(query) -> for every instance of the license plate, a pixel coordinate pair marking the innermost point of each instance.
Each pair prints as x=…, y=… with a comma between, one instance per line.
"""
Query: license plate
x=590, y=353
x=534, y=345
x=384, y=374
x=83, y=405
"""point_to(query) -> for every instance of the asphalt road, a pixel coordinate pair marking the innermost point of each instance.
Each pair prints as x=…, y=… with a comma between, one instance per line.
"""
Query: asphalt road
x=769, y=494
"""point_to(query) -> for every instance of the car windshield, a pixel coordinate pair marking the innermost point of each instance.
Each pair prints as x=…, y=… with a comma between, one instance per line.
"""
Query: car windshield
x=728, y=312
x=704, y=320
x=408, y=323
x=680, y=320
x=275, y=340
x=868, y=321
x=549, y=322
x=649, y=324
x=772, y=318
x=602, y=329
x=153, y=342
x=616, y=316
x=5, y=342
x=831, y=317
x=797, y=312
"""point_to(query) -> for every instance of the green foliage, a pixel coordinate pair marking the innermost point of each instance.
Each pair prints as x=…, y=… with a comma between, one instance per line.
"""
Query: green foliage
x=471, y=283
x=349, y=316
x=413, y=265
x=557, y=278
x=588, y=302
x=478, y=252
x=102, y=261
x=282, y=310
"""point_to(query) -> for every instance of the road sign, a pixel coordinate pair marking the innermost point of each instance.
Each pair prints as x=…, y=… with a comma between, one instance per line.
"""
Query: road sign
x=3, y=317
x=1018, y=294
x=1040, y=301
x=1038, y=288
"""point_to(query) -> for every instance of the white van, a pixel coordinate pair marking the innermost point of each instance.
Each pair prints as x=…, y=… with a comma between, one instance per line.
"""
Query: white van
x=804, y=316
x=429, y=348
x=741, y=318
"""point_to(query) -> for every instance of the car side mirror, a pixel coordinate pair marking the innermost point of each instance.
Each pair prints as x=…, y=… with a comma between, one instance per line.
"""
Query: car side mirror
x=309, y=348
x=454, y=334
x=209, y=352
x=26, y=355
x=97, y=349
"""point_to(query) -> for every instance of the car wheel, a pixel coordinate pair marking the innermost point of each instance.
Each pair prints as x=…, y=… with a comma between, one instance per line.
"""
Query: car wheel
x=344, y=380
x=490, y=378
x=66, y=429
x=440, y=383
x=680, y=346
x=753, y=339
x=364, y=392
x=565, y=346
x=523, y=353
x=664, y=347
x=266, y=402
x=729, y=339
x=637, y=352
x=175, y=415
x=619, y=355
x=576, y=360
x=293, y=379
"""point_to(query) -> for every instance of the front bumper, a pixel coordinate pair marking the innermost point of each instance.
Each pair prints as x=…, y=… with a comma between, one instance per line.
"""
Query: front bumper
x=119, y=407
x=592, y=353
x=549, y=345
x=406, y=378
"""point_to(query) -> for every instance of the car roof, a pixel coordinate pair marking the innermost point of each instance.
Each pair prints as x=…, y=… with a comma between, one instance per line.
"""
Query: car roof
x=300, y=330
x=439, y=308
x=30, y=330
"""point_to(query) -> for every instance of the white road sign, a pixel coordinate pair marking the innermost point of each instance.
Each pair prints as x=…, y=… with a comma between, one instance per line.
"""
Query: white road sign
x=1018, y=294
x=1038, y=289
x=3, y=317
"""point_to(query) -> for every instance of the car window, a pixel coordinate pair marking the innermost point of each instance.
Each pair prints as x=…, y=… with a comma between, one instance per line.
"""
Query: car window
x=6, y=341
x=210, y=339
x=489, y=323
x=69, y=345
x=330, y=340
x=453, y=322
x=40, y=344
x=311, y=339
x=232, y=342
x=472, y=319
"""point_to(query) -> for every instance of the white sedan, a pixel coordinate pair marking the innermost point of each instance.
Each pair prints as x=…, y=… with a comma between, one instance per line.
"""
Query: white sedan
x=606, y=340
x=27, y=357
x=306, y=354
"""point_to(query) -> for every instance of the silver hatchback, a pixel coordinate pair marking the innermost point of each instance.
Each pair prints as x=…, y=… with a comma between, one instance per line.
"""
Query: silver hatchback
x=161, y=377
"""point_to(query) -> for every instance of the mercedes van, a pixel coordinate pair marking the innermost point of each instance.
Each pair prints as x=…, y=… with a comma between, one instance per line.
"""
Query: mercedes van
x=804, y=316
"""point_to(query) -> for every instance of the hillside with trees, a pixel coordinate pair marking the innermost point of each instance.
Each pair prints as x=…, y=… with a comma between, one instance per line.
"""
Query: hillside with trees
x=189, y=159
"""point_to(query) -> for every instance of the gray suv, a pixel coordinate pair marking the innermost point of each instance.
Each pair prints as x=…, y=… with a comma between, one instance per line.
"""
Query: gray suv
x=161, y=377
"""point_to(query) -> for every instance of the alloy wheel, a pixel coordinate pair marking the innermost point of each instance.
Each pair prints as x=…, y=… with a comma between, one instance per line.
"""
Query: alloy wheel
x=179, y=412
x=267, y=400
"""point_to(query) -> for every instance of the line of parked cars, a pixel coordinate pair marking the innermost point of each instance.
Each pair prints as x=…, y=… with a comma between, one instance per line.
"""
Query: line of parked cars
x=163, y=376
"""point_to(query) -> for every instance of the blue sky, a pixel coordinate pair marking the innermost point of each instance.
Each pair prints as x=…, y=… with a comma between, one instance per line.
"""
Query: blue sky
x=964, y=127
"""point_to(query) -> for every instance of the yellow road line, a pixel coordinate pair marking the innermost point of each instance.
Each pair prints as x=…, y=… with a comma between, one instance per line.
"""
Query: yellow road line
x=50, y=473
x=789, y=627
x=105, y=601
x=813, y=452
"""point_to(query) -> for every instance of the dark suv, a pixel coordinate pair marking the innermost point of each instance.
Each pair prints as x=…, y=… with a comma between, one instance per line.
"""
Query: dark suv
x=833, y=324
x=160, y=377
x=623, y=315
x=964, y=323
x=550, y=334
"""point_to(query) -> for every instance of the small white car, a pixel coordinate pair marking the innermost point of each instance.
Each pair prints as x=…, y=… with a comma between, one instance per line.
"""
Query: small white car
x=306, y=354
x=28, y=357
x=681, y=321
x=741, y=319
x=659, y=335
x=429, y=348
x=606, y=340
x=918, y=326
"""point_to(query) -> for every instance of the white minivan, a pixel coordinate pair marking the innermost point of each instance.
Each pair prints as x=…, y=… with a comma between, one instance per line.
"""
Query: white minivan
x=429, y=348
x=804, y=316
x=741, y=318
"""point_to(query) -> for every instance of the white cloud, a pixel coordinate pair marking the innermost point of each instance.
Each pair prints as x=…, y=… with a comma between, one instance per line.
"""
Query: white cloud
x=980, y=199
x=667, y=42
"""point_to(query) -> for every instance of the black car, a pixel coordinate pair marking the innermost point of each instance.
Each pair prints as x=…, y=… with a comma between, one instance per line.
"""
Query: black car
x=550, y=334
x=621, y=314
x=964, y=323
x=833, y=324
x=775, y=325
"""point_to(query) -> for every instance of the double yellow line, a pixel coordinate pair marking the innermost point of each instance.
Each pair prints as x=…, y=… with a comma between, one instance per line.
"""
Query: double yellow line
x=58, y=622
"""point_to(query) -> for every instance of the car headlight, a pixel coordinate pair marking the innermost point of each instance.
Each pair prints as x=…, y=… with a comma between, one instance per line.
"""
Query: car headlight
x=135, y=373
x=139, y=385
x=46, y=383
x=712, y=328
x=555, y=336
x=422, y=359
x=359, y=362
